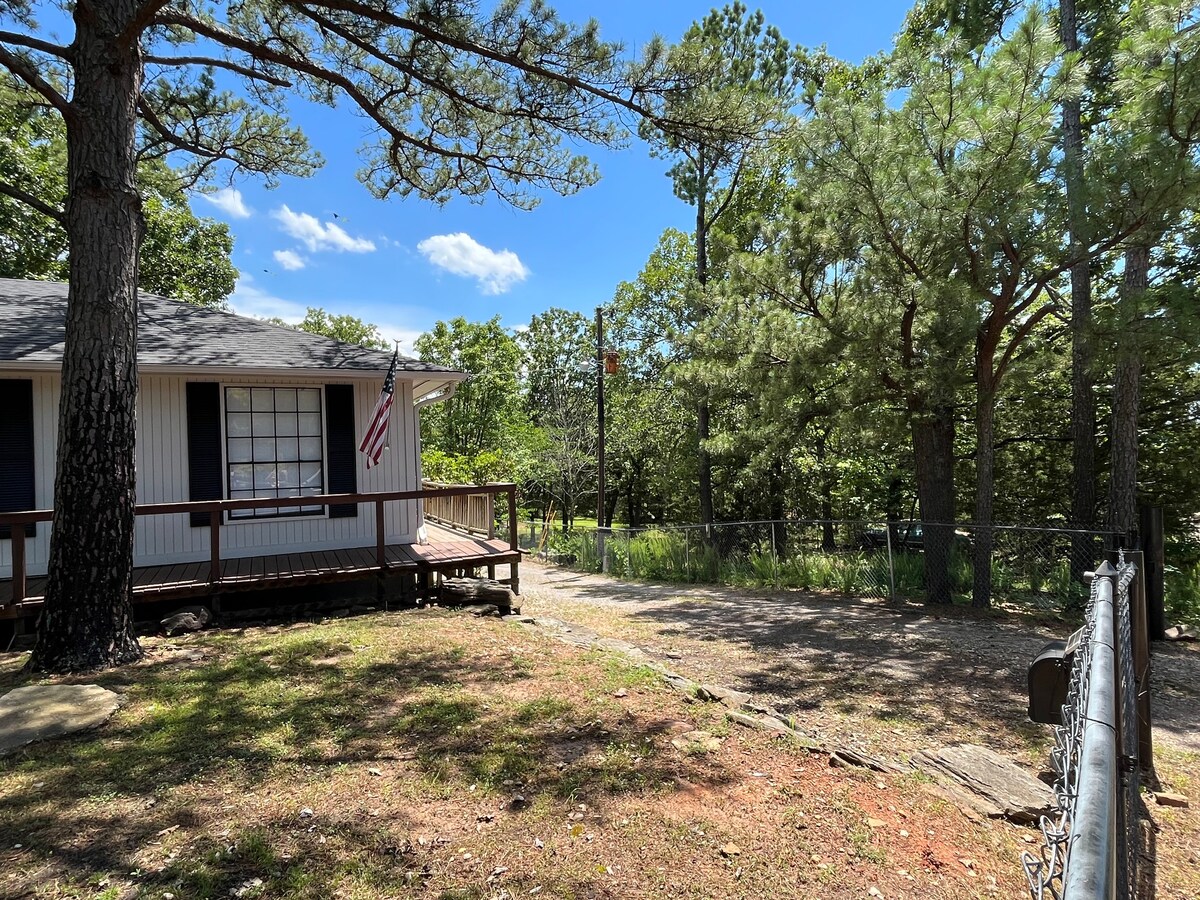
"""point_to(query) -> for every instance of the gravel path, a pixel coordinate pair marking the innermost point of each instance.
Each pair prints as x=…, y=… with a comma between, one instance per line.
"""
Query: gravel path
x=889, y=679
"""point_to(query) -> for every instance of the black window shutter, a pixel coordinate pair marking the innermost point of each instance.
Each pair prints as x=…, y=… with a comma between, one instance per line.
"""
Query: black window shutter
x=204, y=445
x=341, y=447
x=16, y=450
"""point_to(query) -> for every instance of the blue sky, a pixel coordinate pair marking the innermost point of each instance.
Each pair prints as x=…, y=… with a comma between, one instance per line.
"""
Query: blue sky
x=406, y=264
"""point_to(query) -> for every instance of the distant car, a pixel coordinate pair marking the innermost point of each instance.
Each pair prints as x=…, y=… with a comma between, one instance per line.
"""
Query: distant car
x=905, y=536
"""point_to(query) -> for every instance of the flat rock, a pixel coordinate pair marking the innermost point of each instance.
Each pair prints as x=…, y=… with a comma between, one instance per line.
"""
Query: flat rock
x=994, y=786
x=692, y=741
x=723, y=695
x=40, y=712
x=463, y=591
x=848, y=757
x=1166, y=798
x=482, y=609
x=1181, y=633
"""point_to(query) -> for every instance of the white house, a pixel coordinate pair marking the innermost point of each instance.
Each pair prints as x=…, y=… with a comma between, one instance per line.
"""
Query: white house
x=229, y=407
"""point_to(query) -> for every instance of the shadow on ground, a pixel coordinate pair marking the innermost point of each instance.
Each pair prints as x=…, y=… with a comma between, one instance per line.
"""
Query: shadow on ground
x=930, y=676
x=297, y=708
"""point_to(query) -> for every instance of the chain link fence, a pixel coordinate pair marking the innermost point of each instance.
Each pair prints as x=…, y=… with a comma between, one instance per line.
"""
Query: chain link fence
x=1038, y=568
x=1093, y=843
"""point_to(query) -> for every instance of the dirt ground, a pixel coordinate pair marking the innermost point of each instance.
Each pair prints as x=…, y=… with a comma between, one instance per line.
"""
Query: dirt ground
x=890, y=680
x=426, y=754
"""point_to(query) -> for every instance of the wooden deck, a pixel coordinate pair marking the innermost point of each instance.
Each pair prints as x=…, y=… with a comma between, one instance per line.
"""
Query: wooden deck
x=446, y=551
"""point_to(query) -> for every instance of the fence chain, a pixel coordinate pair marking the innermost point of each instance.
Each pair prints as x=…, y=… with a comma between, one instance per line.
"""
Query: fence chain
x=1046, y=869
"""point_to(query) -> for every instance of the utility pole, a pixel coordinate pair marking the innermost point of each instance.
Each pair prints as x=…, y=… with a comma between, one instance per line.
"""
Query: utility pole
x=600, y=417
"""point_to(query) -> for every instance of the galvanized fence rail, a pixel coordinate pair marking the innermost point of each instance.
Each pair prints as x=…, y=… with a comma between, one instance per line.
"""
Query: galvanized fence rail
x=1092, y=844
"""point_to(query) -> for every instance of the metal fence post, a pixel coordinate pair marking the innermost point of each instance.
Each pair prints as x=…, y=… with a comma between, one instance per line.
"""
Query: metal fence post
x=891, y=565
x=774, y=555
x=687, y=555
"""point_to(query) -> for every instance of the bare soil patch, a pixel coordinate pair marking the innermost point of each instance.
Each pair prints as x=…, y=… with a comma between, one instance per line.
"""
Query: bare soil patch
x=890, y=680
x=427, y=754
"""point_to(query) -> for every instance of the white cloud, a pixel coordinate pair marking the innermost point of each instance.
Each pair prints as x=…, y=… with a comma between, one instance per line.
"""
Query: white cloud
x=461, y=254
x=290, y=260
x=317, y=236
x=229, y=201
x=248, y=299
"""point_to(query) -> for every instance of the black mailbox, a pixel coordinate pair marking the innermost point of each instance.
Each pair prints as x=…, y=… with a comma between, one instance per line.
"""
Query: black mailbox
x=1049, y=674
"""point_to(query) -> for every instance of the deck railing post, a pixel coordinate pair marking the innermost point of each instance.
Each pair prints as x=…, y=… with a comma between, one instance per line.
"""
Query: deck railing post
x=18, y=562
x=514, y=542
x=380, y=536
x=214, y=546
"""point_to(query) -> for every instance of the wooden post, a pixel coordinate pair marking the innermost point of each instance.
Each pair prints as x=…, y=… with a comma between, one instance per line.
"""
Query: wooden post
x=514, y=544
x=18, y=562
x=214, y=546
x=1151, y=534
x=489, y=510
x=380, y=536
x=1141, y=660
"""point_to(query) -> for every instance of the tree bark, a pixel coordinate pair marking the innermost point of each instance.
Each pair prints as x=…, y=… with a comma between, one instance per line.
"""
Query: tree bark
x=1083, y=379
x=1122, y=493
x=933, y=450
x=828, y=538
x=985, y=472
x=87, y=621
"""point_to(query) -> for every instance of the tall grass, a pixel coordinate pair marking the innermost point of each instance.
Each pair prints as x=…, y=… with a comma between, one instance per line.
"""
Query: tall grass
x=685, y=556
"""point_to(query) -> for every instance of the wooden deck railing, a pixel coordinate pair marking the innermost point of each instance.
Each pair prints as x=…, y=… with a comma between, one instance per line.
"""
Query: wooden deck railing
x=472, y=513
x=216, y=510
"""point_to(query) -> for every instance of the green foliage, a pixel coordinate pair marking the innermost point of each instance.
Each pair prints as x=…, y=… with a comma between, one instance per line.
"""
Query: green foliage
x=485, y=466
x=486, y=410
x=560, y=400
x=346, y=328
x=183, y=256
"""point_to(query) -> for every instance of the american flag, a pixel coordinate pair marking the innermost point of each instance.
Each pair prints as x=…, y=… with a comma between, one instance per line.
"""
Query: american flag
x=376, y=437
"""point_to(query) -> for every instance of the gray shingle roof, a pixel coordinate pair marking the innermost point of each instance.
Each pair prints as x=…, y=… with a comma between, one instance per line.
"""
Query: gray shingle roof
x=170, y=333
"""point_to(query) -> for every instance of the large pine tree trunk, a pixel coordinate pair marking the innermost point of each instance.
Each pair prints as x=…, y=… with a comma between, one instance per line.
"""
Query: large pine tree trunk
x=1083, y=381
x=87, y=621
x=1122, y=493
x=933, y=450
x=828, y=538
x=985, y=477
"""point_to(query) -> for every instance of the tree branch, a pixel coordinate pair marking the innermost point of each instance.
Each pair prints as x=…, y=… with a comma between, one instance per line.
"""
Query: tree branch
x=29, y=200
x=23, y=69
x=25, y=40
x=219, y=64
x=140, y=20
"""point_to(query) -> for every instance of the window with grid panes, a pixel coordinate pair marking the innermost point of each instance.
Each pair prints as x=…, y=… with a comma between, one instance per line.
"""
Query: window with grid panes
x=274, y=447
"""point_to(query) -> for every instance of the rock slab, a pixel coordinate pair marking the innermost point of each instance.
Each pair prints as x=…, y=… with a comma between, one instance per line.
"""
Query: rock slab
x=40, y=712
x=993, y=785
x=476, y=592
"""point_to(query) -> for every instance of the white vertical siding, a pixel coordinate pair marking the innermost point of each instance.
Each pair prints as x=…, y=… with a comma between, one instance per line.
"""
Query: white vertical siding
x=45, y=441
x=162, y=477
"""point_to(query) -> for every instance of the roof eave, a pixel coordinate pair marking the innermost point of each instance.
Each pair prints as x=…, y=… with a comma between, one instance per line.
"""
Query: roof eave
x=266, y=371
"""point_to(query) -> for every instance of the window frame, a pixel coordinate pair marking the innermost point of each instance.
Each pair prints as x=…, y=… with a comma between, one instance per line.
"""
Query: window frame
x=298, y=512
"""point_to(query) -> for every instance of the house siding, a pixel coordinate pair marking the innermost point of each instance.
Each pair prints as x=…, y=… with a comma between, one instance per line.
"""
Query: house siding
x=162, y=477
